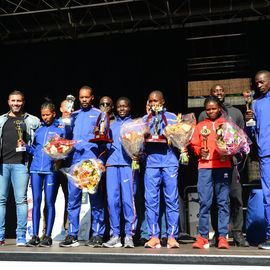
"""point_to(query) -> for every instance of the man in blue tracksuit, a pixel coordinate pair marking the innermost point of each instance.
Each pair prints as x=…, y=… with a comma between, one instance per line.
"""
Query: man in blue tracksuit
x=83, y=123
x=161, y=167
x=260, y=113
x=121, y=181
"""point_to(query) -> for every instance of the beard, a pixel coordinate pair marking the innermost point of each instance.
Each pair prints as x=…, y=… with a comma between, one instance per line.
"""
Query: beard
x=16, y=109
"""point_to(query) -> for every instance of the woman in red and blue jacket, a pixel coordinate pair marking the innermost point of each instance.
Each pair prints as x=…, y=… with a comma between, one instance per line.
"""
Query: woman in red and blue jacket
x=42, y=170
x=214, y=173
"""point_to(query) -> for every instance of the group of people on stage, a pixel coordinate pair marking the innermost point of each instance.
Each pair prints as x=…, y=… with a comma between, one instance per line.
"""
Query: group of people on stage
x=219, y=191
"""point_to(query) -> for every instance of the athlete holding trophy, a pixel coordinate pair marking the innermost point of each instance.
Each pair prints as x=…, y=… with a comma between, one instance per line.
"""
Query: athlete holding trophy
x=248, y=95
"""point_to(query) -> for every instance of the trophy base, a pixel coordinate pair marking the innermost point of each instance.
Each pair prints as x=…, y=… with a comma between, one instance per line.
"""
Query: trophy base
x=66, y=121
x=205, y=158
x=156, y=139
x=20, y=149
x=250, y=123
x=100, y=138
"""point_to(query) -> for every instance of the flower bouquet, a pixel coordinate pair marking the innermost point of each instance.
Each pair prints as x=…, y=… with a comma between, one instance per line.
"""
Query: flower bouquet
x=58, y=147
x=231, y=139
x=85, y=174
x=132, y=136
x=180, y=133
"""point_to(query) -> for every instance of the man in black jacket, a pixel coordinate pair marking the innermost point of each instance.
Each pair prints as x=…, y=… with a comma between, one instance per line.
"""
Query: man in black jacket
x=236, y=201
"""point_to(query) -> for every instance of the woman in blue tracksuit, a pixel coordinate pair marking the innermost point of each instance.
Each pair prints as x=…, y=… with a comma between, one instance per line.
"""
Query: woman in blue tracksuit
x=121, y=181
x=42, y=170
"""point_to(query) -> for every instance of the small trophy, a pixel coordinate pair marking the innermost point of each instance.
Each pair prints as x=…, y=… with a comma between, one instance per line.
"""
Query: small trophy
x=18, y=125
x=205, y=133
x=102, y=135
x=69, y=105
x=156, y=138
x=248, y=95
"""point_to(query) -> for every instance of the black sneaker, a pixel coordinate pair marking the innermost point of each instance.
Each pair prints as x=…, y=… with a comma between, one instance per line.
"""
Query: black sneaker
x=34, y=242
x=70, y=241
x=186, y=236
x=142, y=241
x=164, y=241
x=95, y=241
x=46, y=241
x=239, y=240
x=214, y=241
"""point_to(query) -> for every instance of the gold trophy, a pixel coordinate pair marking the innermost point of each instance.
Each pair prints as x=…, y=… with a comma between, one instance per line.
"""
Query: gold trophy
x=18, y=125
x=156, y=138
x=205, y=133
x=101, y=136
x=248, y=95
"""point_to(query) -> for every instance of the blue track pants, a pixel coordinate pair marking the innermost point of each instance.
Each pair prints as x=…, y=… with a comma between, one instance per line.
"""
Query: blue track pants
x=122, y=185
x=208, y=180
x=152, y=181
x=74, y=208
x=49, y=190
x=265, y=181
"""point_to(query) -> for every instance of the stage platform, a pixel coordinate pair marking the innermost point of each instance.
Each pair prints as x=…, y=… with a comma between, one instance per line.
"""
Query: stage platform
x=251, y=256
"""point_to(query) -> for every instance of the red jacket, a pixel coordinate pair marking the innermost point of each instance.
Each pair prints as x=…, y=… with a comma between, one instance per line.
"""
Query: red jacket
x=197, y=143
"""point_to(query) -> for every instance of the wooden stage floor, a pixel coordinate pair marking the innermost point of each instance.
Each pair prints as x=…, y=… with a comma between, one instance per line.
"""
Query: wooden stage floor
x=251, y=256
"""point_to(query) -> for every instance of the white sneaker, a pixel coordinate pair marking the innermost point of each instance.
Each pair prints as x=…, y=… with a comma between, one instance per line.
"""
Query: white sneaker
x=128, y=242
x=113, y=242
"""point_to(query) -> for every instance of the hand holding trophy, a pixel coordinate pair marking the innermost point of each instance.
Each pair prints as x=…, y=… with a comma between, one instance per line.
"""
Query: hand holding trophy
x=101, y=131
x=69, y=105
x=248, y=95
x=204, y=151
x=18, y=125
x=156, y=138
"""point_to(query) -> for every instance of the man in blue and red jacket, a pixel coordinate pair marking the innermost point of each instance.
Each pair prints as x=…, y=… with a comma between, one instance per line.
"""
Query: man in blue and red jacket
x=83, y=123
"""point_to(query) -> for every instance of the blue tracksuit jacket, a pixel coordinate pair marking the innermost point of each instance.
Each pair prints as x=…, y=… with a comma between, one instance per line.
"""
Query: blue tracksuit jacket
x=82, y=125
x=41, y=161
x=261, y=107
x=116, y=153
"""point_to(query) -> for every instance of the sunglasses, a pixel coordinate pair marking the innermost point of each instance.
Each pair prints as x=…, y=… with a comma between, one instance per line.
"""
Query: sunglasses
x=105, y=104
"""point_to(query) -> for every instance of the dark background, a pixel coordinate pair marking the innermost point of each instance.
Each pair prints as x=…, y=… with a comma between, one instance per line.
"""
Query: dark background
x=122, y=65
x=129, y=65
